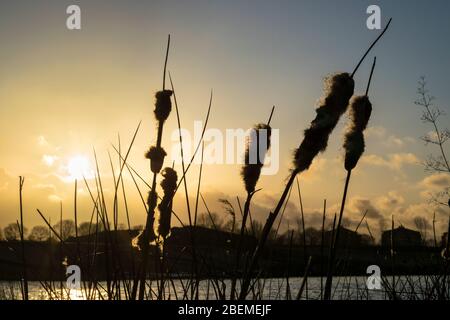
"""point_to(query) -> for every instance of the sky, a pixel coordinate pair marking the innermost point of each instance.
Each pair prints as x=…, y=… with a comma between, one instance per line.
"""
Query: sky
x=65, y=93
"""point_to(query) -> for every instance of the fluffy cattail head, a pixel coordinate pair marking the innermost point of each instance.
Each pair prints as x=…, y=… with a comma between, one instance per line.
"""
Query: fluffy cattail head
x=156, y=156
x=338, y=89
x=163, y=104
x=354, y=148
x=168, y=184
x=360, y=111
x=151, y=201
x=148, y=233
x=257, y=145
x=139, y=240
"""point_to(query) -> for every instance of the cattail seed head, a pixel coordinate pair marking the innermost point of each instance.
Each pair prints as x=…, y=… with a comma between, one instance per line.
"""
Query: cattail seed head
x=360, y=111
x=139, y=240
x=338, y=89
x=168, y=184
x=156, y=156
x=354, y=148
x=257, y=145
x=163, y=105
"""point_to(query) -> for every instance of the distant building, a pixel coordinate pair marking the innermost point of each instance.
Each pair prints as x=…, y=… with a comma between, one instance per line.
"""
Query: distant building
x=347, y=238
x=402, y=237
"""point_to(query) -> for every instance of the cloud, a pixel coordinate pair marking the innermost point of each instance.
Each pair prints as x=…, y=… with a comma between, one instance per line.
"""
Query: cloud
x=54, y=198
x=358, y=205
x=394, y=161
x=49, y=160
x=42, y=141
x=314, y=172
x=47, y=187
x=436, y=181
x=390, y=201
x=387, y=140
x=375, y=131
x=5, y=180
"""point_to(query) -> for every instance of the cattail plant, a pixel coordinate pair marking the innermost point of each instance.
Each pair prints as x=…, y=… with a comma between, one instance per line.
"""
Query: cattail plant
x=255, y=151
x=168, y=184
x=257, y=145
x=156, y=154
x=359, y=115
x=338, y=91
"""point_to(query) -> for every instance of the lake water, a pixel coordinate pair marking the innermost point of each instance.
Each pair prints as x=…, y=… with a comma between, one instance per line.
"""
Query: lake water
x=344, y=288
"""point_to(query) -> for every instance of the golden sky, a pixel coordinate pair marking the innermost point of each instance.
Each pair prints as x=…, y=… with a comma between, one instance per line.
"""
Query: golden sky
x=64, y=93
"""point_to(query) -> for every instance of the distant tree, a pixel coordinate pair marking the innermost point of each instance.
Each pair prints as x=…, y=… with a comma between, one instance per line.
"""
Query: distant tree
x=210, y=220
x=39, y=233
x=229, y=209
x=256, y=229
x=12, y=232
x=438, y=162
x=65, y=229
x=313, y=236
x=86, y=228
x=422, y=226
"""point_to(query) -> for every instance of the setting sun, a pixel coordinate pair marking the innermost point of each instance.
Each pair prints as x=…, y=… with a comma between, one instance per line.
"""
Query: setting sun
x=78, y=168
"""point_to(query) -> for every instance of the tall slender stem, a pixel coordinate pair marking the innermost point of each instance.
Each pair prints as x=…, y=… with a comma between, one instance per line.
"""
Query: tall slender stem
x=370, y=48
x=334, y=241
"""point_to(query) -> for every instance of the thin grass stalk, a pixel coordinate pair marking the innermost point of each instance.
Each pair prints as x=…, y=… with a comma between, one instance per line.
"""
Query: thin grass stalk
x=161, y=117
x=393, y=259
x=132, y=171
x=22, y=241
x=60, y=248
x=265, y=233
x=288, y=288
x=198, y=185
x=305, y=255
x=322, y=247
x=194, y=255
x=327, y=294
x=107, y=240
x=305, y=278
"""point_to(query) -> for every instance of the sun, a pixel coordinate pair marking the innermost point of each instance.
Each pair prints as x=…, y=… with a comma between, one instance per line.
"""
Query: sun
x=79, y=167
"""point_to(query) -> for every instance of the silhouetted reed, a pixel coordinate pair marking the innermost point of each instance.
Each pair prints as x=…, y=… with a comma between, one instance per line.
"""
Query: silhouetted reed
x=156, y=154
x=168, y=184
x=359, y=115
x=257, y=145
x=338, y=91
x=360, y=110
x=255, y=151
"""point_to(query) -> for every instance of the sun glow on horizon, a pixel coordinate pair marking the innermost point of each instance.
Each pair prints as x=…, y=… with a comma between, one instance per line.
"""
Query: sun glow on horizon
x=79, y=167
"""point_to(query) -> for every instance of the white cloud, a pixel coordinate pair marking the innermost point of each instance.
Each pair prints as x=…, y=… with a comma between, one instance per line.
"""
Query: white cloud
x=49, y=160
x=436, y=181
x=387, y=140
x=394, y=161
